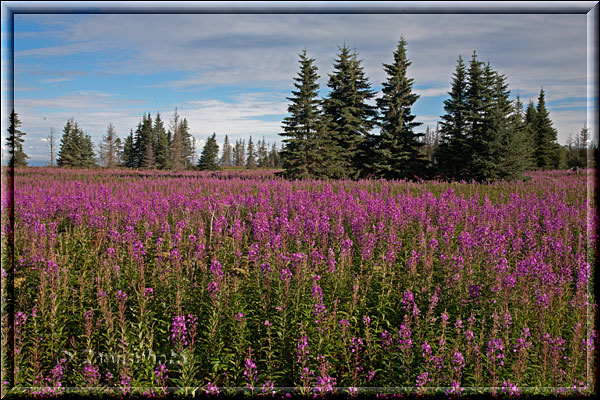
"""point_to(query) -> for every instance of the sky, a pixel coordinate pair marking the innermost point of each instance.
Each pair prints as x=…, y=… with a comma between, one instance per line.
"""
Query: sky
x=231, y=73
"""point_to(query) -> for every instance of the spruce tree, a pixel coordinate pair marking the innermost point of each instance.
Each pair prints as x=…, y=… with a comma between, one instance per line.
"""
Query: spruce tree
x=451, y=155
x=300, y=128
x=397, y=152
x=348, y=116
x=226, y=158
x=546, y=151
x=176, y=143
x=209, y=157
x=128, y=154
x=476, y=114
x=522, y=140
x=239, y=153
x=262, y=153
x=76, y=149
x=162, y=152
x=142, y=145
x=14, y=142
x=187, y=146
x=251, y=156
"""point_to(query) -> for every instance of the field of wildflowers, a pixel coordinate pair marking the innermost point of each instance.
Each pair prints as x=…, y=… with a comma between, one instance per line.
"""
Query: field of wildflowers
x=148, y=283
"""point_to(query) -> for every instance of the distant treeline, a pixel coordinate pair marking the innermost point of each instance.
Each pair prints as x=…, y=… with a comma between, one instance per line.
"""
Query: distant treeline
x=484, y=136
x=150, y=147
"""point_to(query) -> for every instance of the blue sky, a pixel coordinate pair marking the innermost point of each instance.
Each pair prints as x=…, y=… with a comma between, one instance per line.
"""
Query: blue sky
x=231, y=73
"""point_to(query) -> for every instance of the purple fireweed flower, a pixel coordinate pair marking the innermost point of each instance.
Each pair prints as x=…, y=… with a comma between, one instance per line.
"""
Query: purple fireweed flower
x=212, y=389
x=91, y=375
x=239, y=317
x=267, y=388
x=386, y=340
x=121, y=296
x=324, y=384
x=510, y=388
x=265, y=268
x=423, y=379
x=426, y=349
x=458, y=360
x=523, y=343
x=175, y=256
x=404, y=338
x=356, y=344
x=250, y=372
x=149, y=292
x=454, y=388
x=179, y=330
x=495, y=351
x=161, y=372
x=303, y=349
x=285, y=275
x=319, y=310
x=213, y=290
x=217, y=269
x=253, y=252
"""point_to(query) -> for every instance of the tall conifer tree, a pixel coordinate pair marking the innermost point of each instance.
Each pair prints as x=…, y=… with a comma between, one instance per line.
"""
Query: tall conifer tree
x=226, y=158
x=208, y=158
x=162, y=153
x=546, y=150
x=251, y=156
x=397, y=152
x=76, y=148
x=300, y=128
x=450, y=155
x=348, y=116
x=17, y=156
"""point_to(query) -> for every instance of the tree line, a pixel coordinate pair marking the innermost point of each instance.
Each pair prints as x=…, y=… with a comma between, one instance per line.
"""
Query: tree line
x=484, y=136
x=151, y=146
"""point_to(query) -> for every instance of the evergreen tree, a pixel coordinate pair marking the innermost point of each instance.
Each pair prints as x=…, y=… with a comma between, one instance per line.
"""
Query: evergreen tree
x=187, y=146
x=522, y=140
x=162, y=152
x=547, y=153
x=262, y=153
x=489, y=125
x=451, y=154
x=397, y=153
x=148, y=157
x=109, y=148
x=239, y=153
x=176, y=142
x=142, y=145
x=208, y=158
x=226, y=158
x=251, y=156
x=76, y=149
x=300, y=128
x=128, y=154
x=476, y=114
x=348, y=116
x=17, y=156
x=274, y=157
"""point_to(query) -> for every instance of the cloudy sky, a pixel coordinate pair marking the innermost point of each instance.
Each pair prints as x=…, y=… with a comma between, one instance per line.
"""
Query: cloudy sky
x=231, y=73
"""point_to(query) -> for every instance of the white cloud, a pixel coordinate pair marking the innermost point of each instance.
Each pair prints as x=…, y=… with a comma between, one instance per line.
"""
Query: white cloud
x=432, y=92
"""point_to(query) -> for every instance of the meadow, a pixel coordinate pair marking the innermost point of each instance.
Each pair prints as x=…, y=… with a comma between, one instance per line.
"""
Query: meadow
x=214, y=283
